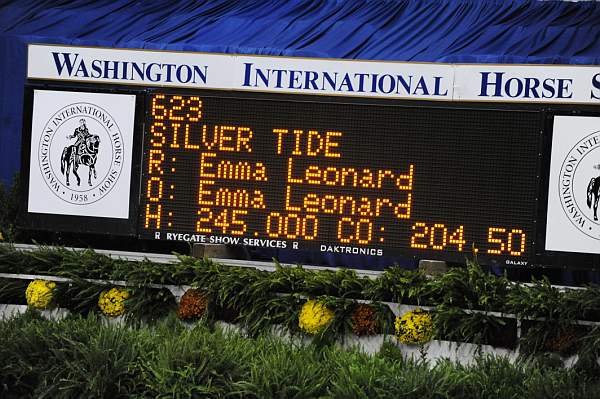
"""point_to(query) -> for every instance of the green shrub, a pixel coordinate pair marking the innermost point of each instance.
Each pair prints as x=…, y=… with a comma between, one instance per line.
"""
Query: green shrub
x=258, y=300
x=84, y=357
x=12, y=291
x=468, y=287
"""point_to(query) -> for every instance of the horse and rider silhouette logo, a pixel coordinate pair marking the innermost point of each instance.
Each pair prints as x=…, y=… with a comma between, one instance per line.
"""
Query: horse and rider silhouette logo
x=593, y=193
x=83, y=152
x=80, y=152
x=578, y=181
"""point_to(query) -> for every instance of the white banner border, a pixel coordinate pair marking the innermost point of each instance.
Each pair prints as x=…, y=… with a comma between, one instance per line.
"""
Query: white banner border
x=509, y=83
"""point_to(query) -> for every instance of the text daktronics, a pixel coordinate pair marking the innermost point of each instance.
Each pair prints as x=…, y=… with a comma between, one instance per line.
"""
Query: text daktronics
x=506, y=83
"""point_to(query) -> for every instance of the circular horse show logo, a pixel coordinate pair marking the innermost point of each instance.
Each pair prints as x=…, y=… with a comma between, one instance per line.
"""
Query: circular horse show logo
x=579, y=185
x=80, y=153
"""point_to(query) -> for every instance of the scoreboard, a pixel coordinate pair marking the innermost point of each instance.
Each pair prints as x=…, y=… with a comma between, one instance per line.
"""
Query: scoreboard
x=348, y=177
x=336, y=157
x=324, y=174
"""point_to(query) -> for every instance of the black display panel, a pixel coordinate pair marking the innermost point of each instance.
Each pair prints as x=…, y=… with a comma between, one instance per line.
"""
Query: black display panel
x=363, y=178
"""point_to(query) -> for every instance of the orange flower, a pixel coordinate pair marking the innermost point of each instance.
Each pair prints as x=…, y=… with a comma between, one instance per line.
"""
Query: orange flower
x=193, y=304
x=564, y=341
x=364, y=321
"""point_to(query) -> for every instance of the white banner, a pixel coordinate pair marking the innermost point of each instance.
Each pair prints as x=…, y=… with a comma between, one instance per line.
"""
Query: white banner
x=132, y=67
x=527, y=83
x=350, y=78
x=397, y=80
x=574, y=189
x=81, y=151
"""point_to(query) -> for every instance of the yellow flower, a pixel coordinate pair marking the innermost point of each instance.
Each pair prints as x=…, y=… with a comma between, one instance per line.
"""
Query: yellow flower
x=314, y=317
x=112, y=302
x=414, y=327
x=39, y=293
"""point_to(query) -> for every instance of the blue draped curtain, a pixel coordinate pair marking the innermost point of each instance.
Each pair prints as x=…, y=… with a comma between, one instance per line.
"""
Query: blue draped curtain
x=454, y=31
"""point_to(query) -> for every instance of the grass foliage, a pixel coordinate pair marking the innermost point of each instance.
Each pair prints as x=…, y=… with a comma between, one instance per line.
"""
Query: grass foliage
x=258, y=300
x=86, y=357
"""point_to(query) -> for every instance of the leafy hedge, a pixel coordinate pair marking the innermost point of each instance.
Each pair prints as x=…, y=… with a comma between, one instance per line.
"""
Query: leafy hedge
x=82, y=357
x=10, y=205
x=259, y=299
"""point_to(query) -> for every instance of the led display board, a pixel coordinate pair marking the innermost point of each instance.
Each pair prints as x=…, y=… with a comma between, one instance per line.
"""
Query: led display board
x=350, y=177
x=431, y=161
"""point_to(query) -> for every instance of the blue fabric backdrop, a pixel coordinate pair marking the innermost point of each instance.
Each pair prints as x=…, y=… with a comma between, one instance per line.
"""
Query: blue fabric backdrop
x=481, y=31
